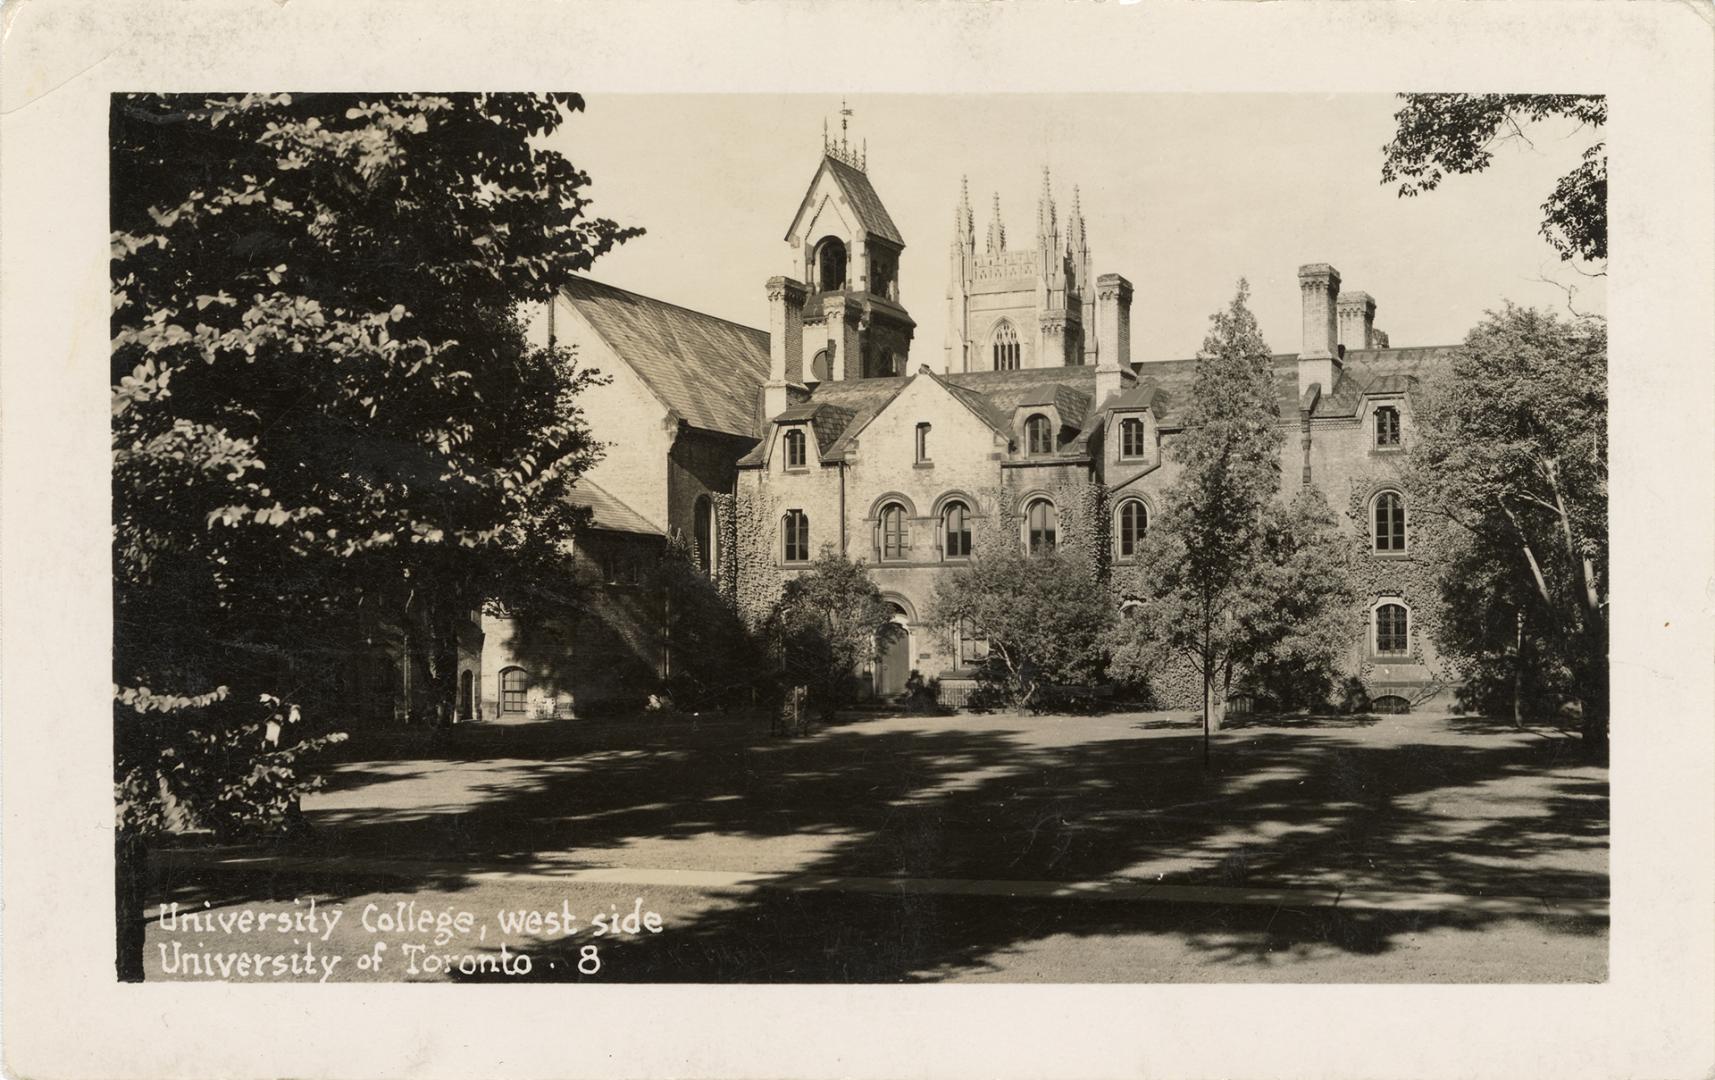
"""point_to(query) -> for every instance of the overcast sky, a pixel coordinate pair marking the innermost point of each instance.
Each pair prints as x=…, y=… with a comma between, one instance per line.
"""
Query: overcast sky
x=1183, y=194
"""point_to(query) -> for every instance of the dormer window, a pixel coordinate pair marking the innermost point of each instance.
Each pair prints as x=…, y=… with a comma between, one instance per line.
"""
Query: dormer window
x=1387, y=428
x=1038, y=435
x=1131, y=438
x=796, y=457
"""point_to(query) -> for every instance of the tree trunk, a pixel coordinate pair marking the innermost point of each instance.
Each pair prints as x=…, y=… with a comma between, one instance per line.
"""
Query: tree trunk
x=1518, y=673
x=130, y=894
x=1593, y=694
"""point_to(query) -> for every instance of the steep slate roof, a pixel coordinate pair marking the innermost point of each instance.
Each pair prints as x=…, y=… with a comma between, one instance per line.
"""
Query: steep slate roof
x=860, y=196
x=607, y=512
x=707, y=370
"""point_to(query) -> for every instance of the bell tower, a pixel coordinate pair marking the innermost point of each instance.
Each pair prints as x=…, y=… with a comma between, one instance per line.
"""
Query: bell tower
x=847, y=248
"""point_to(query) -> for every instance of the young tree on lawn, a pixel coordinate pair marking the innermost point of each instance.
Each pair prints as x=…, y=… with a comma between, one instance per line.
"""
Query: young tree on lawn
x=327, y=417
x=1235, y=578
x=1438, y=134
x=830, y=620
x=1512, y=452
x=1043, y=621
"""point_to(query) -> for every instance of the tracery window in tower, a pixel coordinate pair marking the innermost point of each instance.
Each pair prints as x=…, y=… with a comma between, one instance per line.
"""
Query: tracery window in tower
x=1387, y=426
x=1041, y=523
x=1006, y=348
x=831, y=265
x=1131, y=438
x=1038, y=435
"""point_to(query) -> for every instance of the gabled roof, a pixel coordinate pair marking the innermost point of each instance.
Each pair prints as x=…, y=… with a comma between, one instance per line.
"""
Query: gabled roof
x=860, y=196
x=607, y=512
x=706, y=369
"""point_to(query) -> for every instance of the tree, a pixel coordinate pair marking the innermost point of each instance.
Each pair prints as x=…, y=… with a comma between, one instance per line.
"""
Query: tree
x=328, y=424
x=830, y=620
x=1236, y=580
x=1043, y=621
x=1437, y=134
x=714, y=657
x=1512, y=453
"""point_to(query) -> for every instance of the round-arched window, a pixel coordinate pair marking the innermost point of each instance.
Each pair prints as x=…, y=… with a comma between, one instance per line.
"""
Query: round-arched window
x=1393, y=630
x=1131, y=523
x=831, y=265
x=514, y=686
x=895, y=533
x=1038, y=435
x=956, y=530
x=795, y=455
x=1041, y=524
x=1389, y=522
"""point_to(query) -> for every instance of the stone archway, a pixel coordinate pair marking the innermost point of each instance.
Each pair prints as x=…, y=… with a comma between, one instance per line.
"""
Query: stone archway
x=893, y=655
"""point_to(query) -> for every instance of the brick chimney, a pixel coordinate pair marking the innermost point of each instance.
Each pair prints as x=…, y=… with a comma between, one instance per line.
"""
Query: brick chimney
x=1319, y=359
x=1113, y=335
x=785, y=343
x=1357, y=321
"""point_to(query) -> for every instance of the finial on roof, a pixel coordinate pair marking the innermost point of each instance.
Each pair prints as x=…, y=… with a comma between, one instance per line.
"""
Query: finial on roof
x=843, y=151
x=997, y=230
x=1045, y=208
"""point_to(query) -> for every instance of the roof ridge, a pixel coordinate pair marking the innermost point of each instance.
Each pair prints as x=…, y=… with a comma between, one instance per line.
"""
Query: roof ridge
x=666, y=303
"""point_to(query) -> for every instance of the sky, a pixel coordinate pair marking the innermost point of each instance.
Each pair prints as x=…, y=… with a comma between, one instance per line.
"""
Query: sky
x=1182, y=194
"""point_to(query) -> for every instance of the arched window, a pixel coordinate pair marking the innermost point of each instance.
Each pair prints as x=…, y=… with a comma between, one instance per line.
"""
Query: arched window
x=831, y=265
x=795, y=456
x=1038, y=435
x=895, y=533
x=922, y=444
x=1132, y=523
x=819, y=366
x=1131, y=438
x=1387, y=426
x=956, y=531
x=1041, y=522
x=795, y=537
x=1389, y=521
x=1392, y=630
x=704, y=527
x=1006, y=349
x=514, y=683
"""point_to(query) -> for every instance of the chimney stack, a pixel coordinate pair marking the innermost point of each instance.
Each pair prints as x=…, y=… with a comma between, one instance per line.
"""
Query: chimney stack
x=1319, y=359
x=1357, y=321
x=785, y=343
x=1113, y=335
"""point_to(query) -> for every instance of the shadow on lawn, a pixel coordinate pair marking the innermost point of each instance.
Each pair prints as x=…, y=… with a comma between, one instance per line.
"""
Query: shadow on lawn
x=1438, y=814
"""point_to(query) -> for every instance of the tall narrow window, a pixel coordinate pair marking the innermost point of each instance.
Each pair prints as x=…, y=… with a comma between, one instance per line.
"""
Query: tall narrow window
x=922, y=444
x=795, y=536
x=973, y=644
x=895, y=537
x=1131, y=438
x=1387, y=426
x=957, y=519
x=514, y=684
x=831, y=265
x=1040, y=524
x=1133, y=523
x=795, y=456
x=704, y=527
x=1038, y=435
x=1006, y=349
x=1390, y=522
x=1391, y=630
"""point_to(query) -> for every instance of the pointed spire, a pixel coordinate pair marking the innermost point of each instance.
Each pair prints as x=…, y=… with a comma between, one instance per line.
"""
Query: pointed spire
x=1045, y=216
x=962, y=224
x=997, y=231
x=1075, y=223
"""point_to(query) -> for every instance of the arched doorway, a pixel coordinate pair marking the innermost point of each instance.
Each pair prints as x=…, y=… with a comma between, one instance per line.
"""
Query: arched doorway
x=893, y=656
x=467, y=695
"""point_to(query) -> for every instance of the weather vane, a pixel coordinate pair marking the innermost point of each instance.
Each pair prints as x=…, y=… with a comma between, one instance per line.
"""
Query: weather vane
x=843, y=151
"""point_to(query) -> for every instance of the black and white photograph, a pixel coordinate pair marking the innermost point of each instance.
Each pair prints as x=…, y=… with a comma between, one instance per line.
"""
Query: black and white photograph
x=614, y=539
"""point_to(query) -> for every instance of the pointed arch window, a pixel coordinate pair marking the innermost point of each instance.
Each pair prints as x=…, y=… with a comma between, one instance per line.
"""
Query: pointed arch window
x=796, y=457
x=1132, y=523
x=956, y=531
x=1041, y=525
x=1038, y=435
x=1388, y=520
x=795, y=537
x=1006, y=347
x=895, y=533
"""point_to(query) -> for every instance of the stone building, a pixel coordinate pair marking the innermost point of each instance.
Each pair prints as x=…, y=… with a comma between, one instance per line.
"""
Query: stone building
x=1038, y=421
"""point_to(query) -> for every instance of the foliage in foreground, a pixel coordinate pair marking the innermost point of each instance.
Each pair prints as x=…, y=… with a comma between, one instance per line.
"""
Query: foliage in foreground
x=829, y=622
